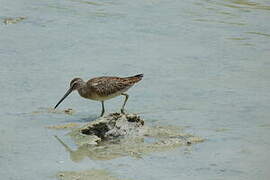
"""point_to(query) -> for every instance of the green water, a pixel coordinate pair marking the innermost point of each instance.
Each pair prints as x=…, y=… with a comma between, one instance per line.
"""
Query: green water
x=206, y=65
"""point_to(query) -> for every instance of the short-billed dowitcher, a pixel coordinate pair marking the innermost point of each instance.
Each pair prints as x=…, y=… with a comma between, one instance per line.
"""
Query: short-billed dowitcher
x=102, y=88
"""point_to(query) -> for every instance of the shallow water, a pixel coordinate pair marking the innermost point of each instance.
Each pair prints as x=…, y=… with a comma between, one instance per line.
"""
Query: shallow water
x=206, y=66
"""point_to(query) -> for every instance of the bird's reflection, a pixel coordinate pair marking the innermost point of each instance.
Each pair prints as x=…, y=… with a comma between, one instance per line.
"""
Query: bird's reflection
x=104, y=151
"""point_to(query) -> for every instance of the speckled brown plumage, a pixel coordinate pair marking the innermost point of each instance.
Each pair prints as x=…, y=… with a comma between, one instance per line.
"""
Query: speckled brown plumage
x=106, y=86
x=103, y=88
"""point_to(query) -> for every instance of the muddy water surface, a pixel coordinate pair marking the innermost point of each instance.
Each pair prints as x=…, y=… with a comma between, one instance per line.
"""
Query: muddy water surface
x=206, y=66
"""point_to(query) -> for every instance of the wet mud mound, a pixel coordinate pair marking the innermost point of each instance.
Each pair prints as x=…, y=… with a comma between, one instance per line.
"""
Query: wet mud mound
x=117, y=135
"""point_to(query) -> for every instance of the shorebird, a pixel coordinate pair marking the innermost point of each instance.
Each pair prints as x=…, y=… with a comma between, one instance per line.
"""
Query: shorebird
x=102, y=88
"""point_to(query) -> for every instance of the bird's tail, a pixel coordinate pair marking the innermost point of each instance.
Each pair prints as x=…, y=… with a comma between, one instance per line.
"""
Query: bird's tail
x=136, y=78
x=139, y=76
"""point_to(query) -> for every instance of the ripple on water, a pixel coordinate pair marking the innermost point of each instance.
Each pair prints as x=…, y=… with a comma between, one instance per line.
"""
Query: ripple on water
x=259, y=33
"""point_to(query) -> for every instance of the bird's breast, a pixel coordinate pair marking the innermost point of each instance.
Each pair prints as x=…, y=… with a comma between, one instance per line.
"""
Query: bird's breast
x=88, y=94
x=85, y=93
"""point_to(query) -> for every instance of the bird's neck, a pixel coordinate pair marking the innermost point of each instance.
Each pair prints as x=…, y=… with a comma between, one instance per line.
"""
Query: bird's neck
x=83, y=90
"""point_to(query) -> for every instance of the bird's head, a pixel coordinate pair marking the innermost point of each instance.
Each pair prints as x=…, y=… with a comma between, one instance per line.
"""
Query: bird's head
x=75, y=84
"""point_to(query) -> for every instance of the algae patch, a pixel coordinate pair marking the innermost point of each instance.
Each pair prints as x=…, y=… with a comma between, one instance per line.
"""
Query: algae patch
x=14, y=20
x=68, y=111
x=63, y=126
x=86, y=175
x=118, y=135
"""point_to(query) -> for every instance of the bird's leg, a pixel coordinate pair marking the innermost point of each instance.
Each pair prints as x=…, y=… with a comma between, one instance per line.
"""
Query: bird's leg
x=103, y=109
x=123, y=106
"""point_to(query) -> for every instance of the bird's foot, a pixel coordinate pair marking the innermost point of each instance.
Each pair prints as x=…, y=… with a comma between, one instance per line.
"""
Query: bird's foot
x=102, y=114
x=123, y=111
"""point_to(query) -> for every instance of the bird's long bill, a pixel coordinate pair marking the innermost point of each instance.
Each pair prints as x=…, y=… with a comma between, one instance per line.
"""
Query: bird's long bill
x=62, y=99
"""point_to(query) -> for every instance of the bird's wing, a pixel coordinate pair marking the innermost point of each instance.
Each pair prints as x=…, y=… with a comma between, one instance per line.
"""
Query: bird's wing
x=105, y=86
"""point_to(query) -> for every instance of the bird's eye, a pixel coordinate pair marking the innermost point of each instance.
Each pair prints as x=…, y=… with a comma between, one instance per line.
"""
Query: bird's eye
x=73, y=85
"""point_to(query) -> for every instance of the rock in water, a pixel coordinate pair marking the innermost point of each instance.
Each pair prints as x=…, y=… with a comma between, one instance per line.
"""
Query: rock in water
x=115, y=125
